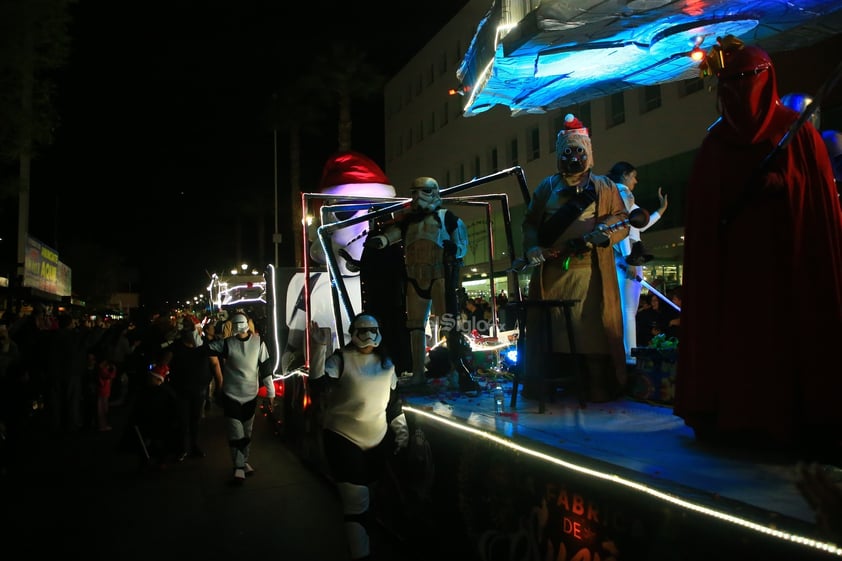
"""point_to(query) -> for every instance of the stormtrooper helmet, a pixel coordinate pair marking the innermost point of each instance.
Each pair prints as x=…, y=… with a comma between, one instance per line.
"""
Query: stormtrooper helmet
x=239, y=323
x=365, y=331
x=425, y=194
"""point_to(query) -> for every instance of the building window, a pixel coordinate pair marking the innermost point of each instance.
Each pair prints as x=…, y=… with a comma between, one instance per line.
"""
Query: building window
x=495, y=164
x=461, y=172
x=693, y=85
x=477, y=170
x=421, y=130
x=533, y=149
x=616, y=110
x=651, y=98
x=583, y=111
x=513, y=155
x=556, y=125
x=445, y=114
x=447, y=177
x=431, y=75
x=432, y=128
x=442, y=64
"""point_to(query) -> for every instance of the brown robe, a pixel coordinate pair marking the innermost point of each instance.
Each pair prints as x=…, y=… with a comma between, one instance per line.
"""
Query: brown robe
x=592, y=279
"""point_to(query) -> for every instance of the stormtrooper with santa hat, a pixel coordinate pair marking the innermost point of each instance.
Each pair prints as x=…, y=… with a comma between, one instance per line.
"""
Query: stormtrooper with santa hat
x=344, y=173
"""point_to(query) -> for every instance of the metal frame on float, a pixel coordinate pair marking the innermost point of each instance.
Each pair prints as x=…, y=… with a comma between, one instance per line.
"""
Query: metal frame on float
x=385, y=206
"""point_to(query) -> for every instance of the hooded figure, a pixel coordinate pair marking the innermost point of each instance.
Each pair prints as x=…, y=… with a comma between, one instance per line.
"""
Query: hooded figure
x=752, y=363
x=564, y=207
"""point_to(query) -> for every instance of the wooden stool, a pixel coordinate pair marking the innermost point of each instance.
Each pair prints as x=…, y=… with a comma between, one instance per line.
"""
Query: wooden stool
x=521, y=308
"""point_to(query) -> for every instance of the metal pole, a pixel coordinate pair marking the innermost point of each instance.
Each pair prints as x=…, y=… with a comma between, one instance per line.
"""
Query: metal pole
x=276, y=237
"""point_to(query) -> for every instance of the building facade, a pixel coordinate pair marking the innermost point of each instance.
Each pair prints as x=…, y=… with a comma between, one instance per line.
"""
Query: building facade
x=656, y=128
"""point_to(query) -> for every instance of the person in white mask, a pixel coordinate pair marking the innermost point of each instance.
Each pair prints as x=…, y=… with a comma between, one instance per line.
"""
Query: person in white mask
x=245, y=365
x=363, y=422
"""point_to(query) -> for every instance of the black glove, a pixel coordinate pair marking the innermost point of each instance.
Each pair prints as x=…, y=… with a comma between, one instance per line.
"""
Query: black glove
x=600, y=238
x=352, y=264
x=376, y=242
x=638, y=255
x=449, y=248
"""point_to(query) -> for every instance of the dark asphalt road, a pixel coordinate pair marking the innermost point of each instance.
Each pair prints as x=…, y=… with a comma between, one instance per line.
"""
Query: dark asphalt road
x=79, y=496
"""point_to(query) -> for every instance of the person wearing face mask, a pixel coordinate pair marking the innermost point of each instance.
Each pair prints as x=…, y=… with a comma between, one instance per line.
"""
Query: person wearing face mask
x=363, y=422
x=246, y=365
x=766, y=212
x=569, y=215
x=191, y=370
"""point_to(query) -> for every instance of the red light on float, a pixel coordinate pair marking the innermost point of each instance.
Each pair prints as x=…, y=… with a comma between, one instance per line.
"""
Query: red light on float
x=697, y=54
x=279, y=389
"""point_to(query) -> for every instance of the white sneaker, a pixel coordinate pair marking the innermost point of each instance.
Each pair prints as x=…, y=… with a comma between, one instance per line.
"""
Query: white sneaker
x=239, y=474
x=248, y=470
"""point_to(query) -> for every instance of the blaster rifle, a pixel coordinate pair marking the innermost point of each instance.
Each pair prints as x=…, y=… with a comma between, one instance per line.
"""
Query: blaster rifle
x=638, y=218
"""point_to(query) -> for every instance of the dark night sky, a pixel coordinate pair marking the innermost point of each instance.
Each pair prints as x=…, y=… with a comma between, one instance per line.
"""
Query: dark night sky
x=161, y=130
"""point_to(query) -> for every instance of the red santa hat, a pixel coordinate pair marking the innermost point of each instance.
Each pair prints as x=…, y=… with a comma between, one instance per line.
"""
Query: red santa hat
x=572, y=125
x=352, y=173
x=160, y=371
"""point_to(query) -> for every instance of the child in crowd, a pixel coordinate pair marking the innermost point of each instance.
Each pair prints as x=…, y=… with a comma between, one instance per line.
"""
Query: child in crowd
x=106, y=372
x=153, y=423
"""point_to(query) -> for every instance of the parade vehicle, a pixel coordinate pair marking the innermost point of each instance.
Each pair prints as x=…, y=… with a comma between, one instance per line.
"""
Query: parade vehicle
x=588, y=480
x=551, y=477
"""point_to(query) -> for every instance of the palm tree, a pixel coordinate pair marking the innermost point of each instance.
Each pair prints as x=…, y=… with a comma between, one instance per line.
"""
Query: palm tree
x=296, y=111
x=335, y=77
x=344, y=71
x=34, y=40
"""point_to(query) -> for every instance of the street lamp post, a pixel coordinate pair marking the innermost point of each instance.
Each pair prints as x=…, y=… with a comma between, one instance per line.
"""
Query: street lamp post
x=276, y=237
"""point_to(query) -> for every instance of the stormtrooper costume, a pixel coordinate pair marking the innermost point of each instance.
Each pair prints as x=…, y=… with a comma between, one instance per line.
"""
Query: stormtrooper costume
x=356, y=389
x=435, y=242
x=245, y=364
x=344, y=173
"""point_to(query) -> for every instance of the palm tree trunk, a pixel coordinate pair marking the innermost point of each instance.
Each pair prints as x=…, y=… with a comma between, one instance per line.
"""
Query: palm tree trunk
x=26, y=136
x=295, y=192
x=345, y=122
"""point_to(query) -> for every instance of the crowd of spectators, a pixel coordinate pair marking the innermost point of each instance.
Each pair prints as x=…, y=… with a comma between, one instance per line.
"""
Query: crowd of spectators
x=66, y=371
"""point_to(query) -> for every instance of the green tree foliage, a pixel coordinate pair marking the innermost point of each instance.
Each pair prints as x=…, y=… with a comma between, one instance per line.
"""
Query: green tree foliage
x=34, y=43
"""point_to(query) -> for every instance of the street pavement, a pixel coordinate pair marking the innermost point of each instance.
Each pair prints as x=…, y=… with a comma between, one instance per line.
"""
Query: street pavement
x=81, y=496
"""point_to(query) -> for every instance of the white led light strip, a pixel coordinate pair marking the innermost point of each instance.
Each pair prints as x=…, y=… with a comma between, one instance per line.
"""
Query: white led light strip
x=828, y=547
